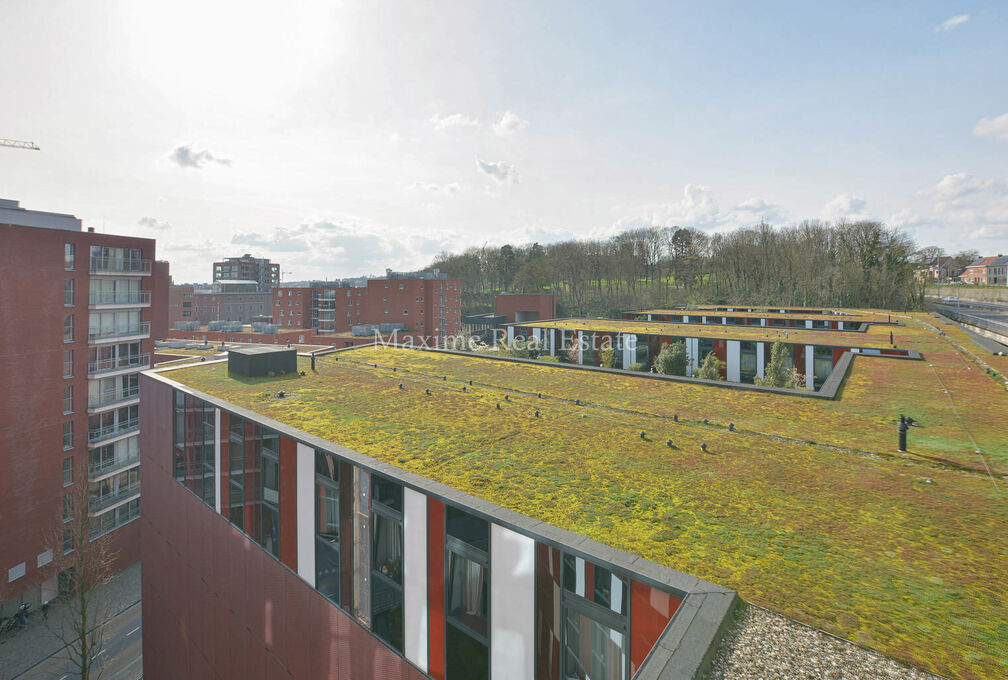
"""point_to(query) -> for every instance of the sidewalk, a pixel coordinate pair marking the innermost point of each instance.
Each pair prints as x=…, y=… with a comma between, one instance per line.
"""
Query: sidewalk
x=23, y=649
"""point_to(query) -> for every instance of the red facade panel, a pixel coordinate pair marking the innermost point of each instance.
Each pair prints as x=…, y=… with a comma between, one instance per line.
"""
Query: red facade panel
x=288, y=502
x=650, y=611
x=436, y=589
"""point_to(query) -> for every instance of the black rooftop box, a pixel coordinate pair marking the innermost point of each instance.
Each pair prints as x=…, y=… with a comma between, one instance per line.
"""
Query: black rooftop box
x=254, y=362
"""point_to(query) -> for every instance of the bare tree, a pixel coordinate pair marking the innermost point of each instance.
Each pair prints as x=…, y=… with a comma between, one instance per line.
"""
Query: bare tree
x=84, y=564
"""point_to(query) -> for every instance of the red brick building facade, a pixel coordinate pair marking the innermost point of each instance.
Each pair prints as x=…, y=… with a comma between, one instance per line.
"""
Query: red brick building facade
x=79, y=309
x=518, y=308
x=424, y=304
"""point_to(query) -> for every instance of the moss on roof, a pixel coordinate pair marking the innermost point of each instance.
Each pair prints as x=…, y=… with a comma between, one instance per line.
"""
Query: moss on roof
x=806, y=508
x=815, y=316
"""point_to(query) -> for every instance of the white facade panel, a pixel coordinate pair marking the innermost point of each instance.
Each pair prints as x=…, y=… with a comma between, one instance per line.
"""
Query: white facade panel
x=629, y=349
x=808, y=323
x=415, y=577
x=760, y=360
x=510, y=334
x=305, y=484
x=512, y=604
x=693, y=352
x=733, y=357
x=810, y=366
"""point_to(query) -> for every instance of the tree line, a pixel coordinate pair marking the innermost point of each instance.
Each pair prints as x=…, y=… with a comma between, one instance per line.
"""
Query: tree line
x=810, y=264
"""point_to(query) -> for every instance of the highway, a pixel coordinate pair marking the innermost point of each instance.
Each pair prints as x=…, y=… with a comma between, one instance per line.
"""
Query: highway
x=120, y=658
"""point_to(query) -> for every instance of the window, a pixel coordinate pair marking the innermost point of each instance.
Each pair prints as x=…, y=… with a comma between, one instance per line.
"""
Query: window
x=467, y=562
x=68, y=363
x=386, y=561
x=68, y=542
x=68, y=292
x=69, y=261
x=68, y=471
x=331, y=518
x=68, y=328
x=270, y=520
x=405, y=312
x=67, y=399
x=68, y=435
x=67, y=507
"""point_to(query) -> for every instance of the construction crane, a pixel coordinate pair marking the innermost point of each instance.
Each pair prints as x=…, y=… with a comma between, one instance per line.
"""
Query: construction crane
x=15, y=144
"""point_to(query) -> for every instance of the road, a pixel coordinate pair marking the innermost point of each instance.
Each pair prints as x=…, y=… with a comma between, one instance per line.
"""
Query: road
x=120, y=658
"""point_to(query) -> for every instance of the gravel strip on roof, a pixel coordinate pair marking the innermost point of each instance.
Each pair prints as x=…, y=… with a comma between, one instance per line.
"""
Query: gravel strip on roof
x=763, y=645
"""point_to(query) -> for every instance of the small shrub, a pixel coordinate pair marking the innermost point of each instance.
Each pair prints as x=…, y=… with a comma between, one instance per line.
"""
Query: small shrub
x=671, y=360
x=607, y=357
x=637, y=367
x=710, y=369
x=548, y=357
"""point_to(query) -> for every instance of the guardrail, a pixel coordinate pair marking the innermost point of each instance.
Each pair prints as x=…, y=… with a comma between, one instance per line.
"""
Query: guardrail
x=109, y=431
x=112, y=397
x=118, y=363
x=139, y=298
x=116, y=463
x=141, y=329
x=97, y=503
x=117, y=265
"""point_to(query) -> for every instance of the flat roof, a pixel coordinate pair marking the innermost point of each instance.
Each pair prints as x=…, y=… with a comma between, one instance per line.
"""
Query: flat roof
x=806, y=508
x=876, y=336
x=813, y=316
x=259, y=349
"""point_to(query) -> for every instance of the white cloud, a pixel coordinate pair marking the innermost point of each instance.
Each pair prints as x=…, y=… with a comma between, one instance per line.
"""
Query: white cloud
x=698, y=208
x=845, y=206
x=346, y=247
x=186, y=156
x=503, y=173
x=905, y=218
x=993, y=127
x=449, y=189
x=755, y=209
x=509, y=124
x=454, y=120
x=953, y=21
x=973, y=204
x=152, y=223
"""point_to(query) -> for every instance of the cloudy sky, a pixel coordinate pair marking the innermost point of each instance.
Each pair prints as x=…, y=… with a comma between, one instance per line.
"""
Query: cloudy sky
x=343, y=138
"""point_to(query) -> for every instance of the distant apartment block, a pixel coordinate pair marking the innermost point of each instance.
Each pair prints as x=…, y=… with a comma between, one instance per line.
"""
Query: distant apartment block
x=79, y=312
x=226, y=301
x=264, y=273
x=427, y=303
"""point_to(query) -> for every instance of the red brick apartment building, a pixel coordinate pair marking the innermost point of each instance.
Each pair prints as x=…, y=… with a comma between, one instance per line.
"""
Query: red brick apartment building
x=79, y=311
x=978, y=271
x=427, y=303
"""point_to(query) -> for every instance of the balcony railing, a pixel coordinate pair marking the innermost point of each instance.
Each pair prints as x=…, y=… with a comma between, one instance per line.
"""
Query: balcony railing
x=110, y=431
x=118, y=364
x=140, y=329
x=120, y=266
x=117, y=463
x=140, y=298
x=113, y=396
x=98, y=503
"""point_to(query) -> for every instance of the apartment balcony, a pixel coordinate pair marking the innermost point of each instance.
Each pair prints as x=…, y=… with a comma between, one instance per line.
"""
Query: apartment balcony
x=137, y=332
x=141, y=298
x=112, y=520
x=125, y=364
x=109, y=433
x=108, y=398
x=111, y=467
x=111, y=265
x=98, y=503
